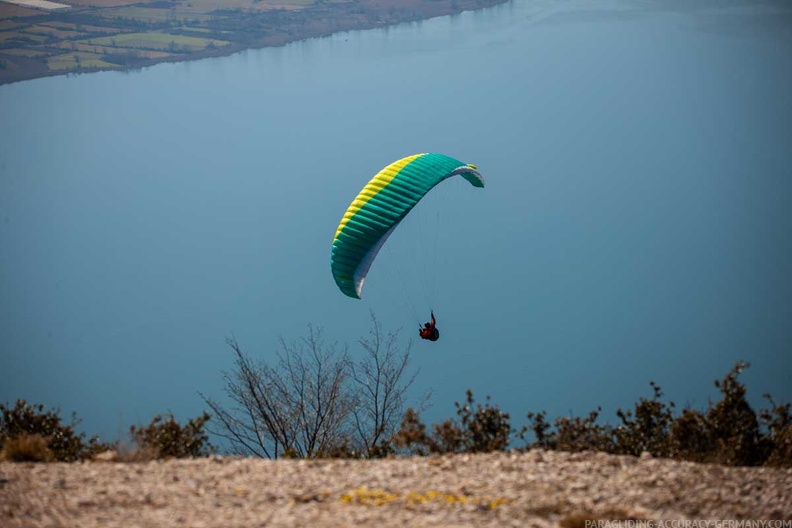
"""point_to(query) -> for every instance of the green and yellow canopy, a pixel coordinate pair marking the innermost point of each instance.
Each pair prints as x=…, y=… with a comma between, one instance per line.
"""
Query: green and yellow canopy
x=380, y=206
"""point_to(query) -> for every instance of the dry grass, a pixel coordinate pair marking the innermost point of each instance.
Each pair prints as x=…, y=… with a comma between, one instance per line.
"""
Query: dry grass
x=26, y=448
x=377, y=497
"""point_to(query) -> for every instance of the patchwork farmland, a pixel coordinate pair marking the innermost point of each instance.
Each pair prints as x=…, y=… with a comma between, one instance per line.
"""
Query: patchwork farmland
x=42, y=37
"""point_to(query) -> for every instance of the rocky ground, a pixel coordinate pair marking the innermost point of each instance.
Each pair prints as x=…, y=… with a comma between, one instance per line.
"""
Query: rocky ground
x=537, y=488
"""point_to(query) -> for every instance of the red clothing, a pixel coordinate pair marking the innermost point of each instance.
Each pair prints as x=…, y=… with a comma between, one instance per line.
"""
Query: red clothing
x=429, y=331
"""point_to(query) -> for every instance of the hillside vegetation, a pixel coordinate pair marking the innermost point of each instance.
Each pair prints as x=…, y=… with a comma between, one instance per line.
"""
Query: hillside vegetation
x=730, y=432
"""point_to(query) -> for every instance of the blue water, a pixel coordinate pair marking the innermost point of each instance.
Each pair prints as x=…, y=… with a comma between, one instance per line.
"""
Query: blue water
x=635, y=225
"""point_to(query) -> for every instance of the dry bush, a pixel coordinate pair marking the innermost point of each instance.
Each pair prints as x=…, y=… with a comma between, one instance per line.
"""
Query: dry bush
x=64, y=444
x=26, y=448
x=477, y=429
x=164, y=437
x=730, y=432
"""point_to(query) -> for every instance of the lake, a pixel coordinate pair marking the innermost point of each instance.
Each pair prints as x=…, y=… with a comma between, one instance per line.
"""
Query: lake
x=635, y=225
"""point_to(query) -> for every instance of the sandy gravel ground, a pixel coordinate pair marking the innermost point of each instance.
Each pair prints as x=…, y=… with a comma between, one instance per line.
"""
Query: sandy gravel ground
x=537, y=488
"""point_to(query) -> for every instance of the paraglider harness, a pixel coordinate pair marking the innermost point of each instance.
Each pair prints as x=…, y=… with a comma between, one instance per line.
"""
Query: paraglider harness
x=429, y=331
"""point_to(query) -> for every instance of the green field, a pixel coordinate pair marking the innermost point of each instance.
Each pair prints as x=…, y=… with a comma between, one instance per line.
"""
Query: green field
x=69, y=61
x=155, y=41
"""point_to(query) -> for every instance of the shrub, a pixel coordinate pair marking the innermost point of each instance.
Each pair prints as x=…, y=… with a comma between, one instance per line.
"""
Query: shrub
x=63, y=443
x=412, y=436
x=691, y=438
x=477, y=429
x=584, y=434
x=545, y=437
x=647, y=428
x=779, y=424
x=729, y=432
x=485, y=429
x=571, y=434
x=164, y=437
x=733, y=424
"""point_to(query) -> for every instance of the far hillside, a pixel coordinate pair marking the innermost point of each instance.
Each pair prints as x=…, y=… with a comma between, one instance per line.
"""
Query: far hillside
x=46, y=38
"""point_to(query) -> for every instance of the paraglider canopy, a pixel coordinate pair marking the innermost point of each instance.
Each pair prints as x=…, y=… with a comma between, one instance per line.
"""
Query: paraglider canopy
x=377, y=210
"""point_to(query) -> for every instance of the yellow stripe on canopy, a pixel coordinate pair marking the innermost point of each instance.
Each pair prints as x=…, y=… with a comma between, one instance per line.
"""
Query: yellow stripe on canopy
x=377, y=183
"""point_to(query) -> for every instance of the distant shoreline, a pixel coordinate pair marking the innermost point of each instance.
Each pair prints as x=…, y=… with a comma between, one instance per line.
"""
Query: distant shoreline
x=127, y=37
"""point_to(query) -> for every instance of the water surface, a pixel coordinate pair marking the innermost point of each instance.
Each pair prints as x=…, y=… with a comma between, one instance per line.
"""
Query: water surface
x=635, y=224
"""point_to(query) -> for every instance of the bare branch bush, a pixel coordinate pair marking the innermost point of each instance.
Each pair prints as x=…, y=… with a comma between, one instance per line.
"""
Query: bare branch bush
x=315, y=401
x=382, y=382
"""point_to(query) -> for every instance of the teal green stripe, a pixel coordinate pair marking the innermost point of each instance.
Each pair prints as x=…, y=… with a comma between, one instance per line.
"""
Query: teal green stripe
x=382, y=211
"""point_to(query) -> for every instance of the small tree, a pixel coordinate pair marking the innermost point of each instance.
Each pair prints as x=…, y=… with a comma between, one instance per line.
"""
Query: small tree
x=315, y=402
x=381, y=385
x=298, y=408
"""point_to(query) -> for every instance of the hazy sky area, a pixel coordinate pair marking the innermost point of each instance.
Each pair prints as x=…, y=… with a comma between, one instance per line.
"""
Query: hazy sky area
x=635, y=225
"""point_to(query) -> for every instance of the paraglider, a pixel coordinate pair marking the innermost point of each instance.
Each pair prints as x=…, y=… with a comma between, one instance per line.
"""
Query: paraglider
x=429, y=330
x=379, y=208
